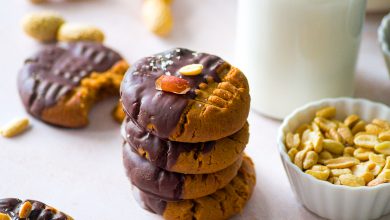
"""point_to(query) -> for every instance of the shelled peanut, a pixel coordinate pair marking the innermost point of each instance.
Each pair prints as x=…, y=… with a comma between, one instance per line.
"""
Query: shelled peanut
x=46, y=26
x=157, y=16
x=351, y=152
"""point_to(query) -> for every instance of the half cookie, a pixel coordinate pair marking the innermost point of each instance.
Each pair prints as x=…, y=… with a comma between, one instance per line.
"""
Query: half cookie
x=174, y=186
x=16, y=209
x=188, y=158
x=60, y=83
x=222, y=204
x=215, y=105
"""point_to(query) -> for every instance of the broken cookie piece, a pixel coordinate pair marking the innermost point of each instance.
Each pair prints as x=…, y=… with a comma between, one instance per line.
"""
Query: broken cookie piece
x=60, y=84
x=16, y=209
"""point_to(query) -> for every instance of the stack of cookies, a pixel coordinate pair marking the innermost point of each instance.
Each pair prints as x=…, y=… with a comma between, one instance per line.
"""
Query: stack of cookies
x=185, y=133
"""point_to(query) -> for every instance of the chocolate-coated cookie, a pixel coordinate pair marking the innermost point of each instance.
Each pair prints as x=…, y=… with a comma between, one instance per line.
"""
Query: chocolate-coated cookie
x=16, y=209
x=60, y=83
x=222, y=204
x=170, y=185
x=188, y=158
x=216, y=105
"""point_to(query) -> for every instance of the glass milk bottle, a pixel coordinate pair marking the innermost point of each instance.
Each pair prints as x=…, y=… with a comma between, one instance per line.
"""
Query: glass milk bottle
x=297, y=51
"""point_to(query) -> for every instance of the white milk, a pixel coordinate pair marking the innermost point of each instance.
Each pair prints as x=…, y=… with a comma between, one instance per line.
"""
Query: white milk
x=297, y=51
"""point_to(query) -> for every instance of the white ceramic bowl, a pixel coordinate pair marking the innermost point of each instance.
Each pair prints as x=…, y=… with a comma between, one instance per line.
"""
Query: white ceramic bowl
x=320, y=197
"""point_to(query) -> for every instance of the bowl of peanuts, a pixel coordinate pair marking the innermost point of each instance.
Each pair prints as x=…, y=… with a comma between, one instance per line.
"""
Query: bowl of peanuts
x=336, y=153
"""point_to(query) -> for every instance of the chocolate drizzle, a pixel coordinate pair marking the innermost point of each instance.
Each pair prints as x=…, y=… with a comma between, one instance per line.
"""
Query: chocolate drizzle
x=159, y=111
x=39, y=211
x=54, y=71
x=149, y=178
x=161, y=153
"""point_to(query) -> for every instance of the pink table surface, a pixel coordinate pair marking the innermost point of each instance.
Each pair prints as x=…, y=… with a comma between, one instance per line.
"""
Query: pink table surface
x=80, y=171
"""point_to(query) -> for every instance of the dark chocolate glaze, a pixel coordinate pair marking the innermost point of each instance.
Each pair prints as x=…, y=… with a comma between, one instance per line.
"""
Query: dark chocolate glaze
x=153, y=203
x=39, y=211
x=147, y=105
x=55, y=70
x=162, y=153
x=152, y=179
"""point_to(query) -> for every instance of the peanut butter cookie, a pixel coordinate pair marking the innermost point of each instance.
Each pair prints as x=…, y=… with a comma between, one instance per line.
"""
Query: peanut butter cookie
x=222, y=204
x=208, y=103
x=16, y=209
x=188, y=158
x=60, y=83
x=170, y=185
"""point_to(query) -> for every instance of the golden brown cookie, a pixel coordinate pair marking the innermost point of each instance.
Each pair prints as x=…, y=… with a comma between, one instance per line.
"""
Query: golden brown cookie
x=215, y=106
x=222, y=204
x=60, y=84
x=118, y=114
x=170, y=185
x=188, y=158
x=16, y=209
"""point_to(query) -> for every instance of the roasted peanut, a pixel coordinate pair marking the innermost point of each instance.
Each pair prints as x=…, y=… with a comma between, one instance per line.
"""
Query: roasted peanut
x=299, y=157
x=191, y=70
x=366, y=140
x=42, y=26
x=360, y=126
x=373, y=129
x=351, y=180
x=327, y=112
x=346, y=135
x=383, y=148
x=341, y=162
x=302, y=128
x=381, y=123
x=292, y=140
x=70, y=32
x=383, y=177
x=362, y=153
x=338, y=172
x=334, y=180
x=292, y=152
x=310, y=160
x=348, y=151
x=377, y=158
x=323, y=156
x=333, y=146
x=324, y=123
x=334, y=135
x=387, y=164
x=37, y=2
x=315, y=127
x=315, y=137
x=384, y=136
x=157, y=16
x=15, y=127
x=319, y=172
x=362, y=170
x=351, y=120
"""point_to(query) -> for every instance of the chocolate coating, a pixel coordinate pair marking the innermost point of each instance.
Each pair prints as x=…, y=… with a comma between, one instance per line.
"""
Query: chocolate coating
x=51, y=73
x=162, y=153
x=148, y=106
x=39, y=211
x=151, y=202
x=152, y=179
